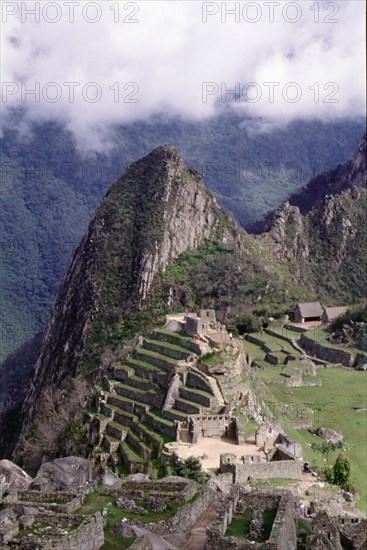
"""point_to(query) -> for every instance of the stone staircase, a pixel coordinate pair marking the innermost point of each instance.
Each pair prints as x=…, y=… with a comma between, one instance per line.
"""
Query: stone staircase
x=134, y=425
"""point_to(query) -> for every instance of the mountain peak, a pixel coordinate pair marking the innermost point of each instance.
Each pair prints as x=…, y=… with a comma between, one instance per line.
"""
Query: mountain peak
x=154, y=212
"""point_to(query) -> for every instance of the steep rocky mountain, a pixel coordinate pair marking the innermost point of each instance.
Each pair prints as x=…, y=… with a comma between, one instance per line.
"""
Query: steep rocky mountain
x=346, y=176
x=322, y=230
x=50, y=190
x=151, y=215
x=159, y=242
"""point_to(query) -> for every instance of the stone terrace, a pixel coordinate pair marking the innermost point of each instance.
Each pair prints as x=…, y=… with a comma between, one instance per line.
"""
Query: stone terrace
x=154, y=388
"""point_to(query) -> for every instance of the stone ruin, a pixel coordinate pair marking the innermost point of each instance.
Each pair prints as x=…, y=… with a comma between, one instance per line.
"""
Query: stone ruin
x=336, y=532
x=203, y=324
x=282, y=457
x=217, y=425
x=256, y=524
x=283, y=535
x=43, y=510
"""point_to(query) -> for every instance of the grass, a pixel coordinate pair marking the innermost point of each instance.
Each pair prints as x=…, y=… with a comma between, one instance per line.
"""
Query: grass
x=212, y=359
x=96, y=502
x=240, y=525
x=293, y=334
x=168, y=345
x=253, y=350
x=321, y=335
x=158, y=414
x=276, y=344
x=180, y=334
x=330, y=405
x=268, y=520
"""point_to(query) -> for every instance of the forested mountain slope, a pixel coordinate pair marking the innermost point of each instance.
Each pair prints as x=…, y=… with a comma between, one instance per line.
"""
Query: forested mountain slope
x=49, y=190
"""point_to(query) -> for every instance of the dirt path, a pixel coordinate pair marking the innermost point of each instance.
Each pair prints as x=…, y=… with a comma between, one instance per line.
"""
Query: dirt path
x=197, y=538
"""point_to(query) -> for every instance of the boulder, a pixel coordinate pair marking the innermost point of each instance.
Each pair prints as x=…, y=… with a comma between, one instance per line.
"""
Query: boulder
x=137, y=477
x=124, y=528
x=174, y=325
x=329, y=435
x=7, y=516
x=109, y=479
x=62, y=474
x=15, y=478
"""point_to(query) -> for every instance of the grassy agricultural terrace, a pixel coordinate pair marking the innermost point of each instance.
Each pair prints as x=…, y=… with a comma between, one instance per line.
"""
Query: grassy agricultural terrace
x=131, y=417
x=339, y=403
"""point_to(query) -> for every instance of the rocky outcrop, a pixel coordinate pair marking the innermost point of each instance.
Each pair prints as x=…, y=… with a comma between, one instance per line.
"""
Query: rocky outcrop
x=322, y=229
x=352, y=333
x=328, y=434
x=13, y=478
x=63, y=473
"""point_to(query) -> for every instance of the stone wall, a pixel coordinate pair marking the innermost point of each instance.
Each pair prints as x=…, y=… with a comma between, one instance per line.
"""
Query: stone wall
x=154, y=399
x=164, y=350
x=239, y=432
x=325, y=353
x=193, y=325
x=217, y=425
x=134, y=466
x=302, y=424
x=172, y=392
x=284, y=531
x=254, y=340
x=287, y=469
x=157, y=361
x=187, y=515
x=175, y=339
x=283, y=535
x=173, y=490
x=184, y=519
x=160, y=426
x=197, y=380
x=266, y=435
x=160, y=377
x=87, y=536
x=205, y=400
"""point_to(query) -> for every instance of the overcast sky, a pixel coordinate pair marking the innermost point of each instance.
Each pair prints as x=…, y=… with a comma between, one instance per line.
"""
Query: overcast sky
x=93, y=64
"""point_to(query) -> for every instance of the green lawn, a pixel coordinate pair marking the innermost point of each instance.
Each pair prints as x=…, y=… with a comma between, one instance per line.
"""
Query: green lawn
x=275, y=343
x=253, y=350
x=293, y=334
x=331, y=405
x=240, y=525
x=212, y=359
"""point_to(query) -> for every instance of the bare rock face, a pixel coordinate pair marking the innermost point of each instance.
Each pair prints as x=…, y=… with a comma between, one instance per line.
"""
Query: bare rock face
x=63, y=474
x=109, y=479
x=14, y=477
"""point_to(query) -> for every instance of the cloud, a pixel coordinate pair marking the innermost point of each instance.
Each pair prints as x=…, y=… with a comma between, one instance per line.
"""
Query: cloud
x=95, y=64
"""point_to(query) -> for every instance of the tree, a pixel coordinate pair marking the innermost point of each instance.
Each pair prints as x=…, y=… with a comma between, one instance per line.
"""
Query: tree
x=191, y=468
x=342, y=471
x=245, y=323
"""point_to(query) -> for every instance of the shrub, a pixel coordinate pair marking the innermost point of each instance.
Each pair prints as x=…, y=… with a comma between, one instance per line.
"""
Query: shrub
x=191, y=468
x=246, y=323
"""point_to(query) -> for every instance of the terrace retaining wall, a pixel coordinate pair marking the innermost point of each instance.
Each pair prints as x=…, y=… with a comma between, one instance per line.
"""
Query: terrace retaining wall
x=332, y=355
x=287, y=469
